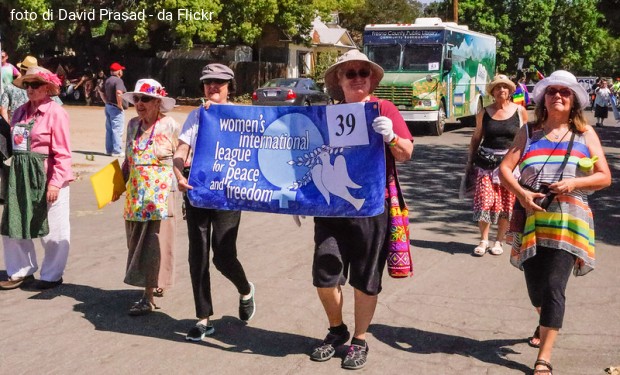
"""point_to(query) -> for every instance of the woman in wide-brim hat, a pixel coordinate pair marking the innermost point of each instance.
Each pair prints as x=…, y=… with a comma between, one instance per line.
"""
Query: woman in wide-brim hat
x=37, y=205
x=150, y=224
x=331, y=74
x=358, y=245
x=555, y=238
x=496, y=126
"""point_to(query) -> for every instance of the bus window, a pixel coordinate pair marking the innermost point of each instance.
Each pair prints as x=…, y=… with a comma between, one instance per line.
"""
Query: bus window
x=387, y=56
x=422, y=57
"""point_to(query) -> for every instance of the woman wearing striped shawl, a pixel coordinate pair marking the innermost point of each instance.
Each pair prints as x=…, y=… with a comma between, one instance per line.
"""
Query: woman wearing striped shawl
x=557, y=240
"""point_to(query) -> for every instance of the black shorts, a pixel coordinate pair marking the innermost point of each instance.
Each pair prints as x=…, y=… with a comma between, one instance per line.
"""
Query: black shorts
x=350, y=247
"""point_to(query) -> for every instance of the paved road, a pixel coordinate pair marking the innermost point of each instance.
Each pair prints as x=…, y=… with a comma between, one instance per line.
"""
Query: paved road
x=459, y=314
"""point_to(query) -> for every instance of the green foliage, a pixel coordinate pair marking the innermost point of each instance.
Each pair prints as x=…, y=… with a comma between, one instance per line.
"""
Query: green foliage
x=323, y=62
x=364, y=12
x=549, y=34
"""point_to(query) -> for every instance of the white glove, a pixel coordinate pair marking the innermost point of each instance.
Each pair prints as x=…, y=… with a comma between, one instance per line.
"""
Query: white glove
x=383, y=126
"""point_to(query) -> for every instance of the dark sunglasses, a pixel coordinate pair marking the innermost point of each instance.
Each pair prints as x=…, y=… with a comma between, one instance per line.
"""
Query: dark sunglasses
x=563, y=92
x=209, y=81
x=142, y=98
x=32, y=85
x=352, y=74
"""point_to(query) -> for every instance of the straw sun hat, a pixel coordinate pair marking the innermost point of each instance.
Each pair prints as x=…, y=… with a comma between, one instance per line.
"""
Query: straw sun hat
x=498, y=79
x=331, y=75
x=151, y=87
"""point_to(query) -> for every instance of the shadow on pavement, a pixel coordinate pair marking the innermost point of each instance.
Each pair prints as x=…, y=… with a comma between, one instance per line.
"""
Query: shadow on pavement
x=430, y=183
x=424, y=342
x=107, y=310
x=233, y=335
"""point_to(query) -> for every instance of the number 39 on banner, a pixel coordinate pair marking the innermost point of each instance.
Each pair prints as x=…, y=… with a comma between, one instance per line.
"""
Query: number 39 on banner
x=346, y=124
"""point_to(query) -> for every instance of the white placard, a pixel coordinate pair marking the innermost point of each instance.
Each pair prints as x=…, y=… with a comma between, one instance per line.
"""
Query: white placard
x=433, y=66
x=346, y=124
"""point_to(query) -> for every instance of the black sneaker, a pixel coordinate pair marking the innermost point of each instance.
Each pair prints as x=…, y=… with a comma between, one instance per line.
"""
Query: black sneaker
x=199, y=331
x=247, y=308
x=42, y=284
x=356, y=357
x=327, y=349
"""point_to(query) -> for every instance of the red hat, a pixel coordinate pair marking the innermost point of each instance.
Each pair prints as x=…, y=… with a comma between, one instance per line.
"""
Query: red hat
x=116, y=66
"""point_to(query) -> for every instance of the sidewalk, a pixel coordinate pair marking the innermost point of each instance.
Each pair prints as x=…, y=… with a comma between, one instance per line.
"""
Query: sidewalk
x=459, y=314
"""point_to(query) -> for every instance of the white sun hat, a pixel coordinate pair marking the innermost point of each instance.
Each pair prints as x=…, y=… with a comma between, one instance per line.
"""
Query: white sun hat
x=561, y=78
x=151, y=87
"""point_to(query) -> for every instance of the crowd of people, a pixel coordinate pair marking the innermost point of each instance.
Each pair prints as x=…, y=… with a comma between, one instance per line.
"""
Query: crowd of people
x=532, y=181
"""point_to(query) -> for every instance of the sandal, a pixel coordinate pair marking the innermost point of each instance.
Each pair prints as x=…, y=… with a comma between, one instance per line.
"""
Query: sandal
x=158, y=292
x=534, y=341
x=542, y=362
x=497, y=248
x=481, y=249
x=142, y=307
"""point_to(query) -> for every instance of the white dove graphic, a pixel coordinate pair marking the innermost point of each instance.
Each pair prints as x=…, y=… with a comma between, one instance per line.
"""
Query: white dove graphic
x=335, y=179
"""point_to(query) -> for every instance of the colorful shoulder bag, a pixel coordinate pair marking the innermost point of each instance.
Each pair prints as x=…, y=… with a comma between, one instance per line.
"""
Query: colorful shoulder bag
x=399, y=260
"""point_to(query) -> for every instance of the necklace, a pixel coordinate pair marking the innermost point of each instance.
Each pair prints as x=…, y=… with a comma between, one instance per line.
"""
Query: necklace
x=149, y=141
x=554, y=135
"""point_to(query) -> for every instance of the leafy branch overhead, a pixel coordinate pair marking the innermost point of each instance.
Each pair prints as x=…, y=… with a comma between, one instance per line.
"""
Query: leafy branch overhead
x=579, y=35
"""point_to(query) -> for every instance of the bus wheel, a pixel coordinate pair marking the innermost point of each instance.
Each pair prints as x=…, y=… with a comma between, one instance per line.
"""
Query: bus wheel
x=436, y=127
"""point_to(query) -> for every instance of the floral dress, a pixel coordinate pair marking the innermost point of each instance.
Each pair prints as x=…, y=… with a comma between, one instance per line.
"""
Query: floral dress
x=150, y=170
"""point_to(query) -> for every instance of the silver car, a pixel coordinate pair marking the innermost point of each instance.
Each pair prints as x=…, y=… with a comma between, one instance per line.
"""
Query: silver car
x=290, y=91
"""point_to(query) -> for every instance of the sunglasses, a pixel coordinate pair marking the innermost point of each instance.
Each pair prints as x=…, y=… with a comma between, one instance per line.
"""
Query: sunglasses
x=142, y=98
x=564, y=92
x=209, y=81
x=32, y=85
x=352, y=73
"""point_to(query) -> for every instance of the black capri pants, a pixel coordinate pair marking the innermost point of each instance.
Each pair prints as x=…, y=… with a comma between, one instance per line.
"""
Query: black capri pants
x=546, y=276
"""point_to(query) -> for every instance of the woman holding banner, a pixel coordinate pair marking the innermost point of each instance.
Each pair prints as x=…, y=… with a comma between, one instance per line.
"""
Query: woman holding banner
x=150, y=225
x=210, y=227
x=356, y=245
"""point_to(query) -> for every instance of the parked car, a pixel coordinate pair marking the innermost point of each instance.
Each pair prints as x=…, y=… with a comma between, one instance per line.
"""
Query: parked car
x=290, y=91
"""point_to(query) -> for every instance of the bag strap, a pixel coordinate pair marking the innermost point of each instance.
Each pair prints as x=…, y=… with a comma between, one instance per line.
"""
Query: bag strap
x=401, y=197
x=568, y=150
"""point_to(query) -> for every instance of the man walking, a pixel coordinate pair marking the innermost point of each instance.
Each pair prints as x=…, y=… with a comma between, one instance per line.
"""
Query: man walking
x=114, y=87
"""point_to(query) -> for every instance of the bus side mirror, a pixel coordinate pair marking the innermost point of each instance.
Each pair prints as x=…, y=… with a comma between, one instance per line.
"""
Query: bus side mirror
x=447, y=65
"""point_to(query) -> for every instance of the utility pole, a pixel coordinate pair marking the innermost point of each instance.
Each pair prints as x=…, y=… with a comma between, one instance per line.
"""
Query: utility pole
x=455, y=9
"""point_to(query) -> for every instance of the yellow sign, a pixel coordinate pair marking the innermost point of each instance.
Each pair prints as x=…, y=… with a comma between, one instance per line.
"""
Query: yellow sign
x=106, y=182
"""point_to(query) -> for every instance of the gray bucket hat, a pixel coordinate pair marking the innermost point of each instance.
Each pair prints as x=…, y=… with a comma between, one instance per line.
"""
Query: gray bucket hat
x=331, y=75
x=217, y=71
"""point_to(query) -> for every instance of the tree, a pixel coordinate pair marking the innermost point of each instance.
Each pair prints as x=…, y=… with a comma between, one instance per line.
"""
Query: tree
x=378, y=11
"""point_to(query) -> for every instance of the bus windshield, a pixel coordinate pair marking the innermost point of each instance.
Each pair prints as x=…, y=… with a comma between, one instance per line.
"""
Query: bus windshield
x=422, y=57
x=386, y=55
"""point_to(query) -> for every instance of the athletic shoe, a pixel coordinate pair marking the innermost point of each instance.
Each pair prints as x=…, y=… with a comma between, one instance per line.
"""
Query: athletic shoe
x=247, y=308
x=356, y=357
x=327, y=349
x=199, y=331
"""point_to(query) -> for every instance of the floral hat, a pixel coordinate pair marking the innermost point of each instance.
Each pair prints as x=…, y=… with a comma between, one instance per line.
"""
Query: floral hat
x=40, y=74
x=151, y=87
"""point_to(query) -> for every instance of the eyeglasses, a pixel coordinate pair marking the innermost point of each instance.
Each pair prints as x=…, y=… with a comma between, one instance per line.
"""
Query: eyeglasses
x=142, y=98
x=209, y=81
x=352, y=73
x=32, y=85
x=564, y=92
